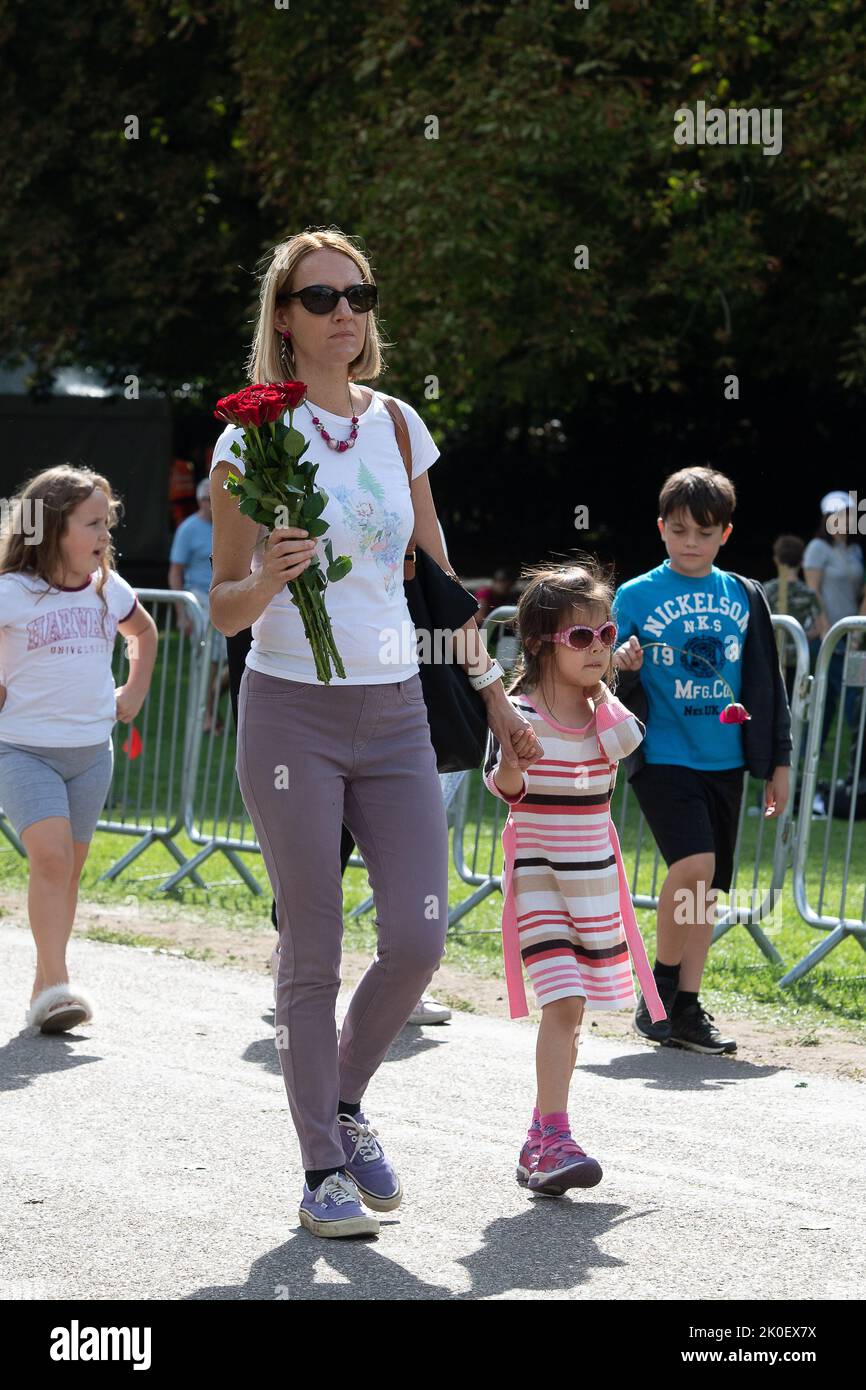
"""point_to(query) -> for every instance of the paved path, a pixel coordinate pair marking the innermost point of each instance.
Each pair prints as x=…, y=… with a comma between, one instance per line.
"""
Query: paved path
x=150, y=1155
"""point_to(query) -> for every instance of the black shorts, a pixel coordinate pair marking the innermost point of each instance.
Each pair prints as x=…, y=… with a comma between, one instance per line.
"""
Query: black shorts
x=692, y=812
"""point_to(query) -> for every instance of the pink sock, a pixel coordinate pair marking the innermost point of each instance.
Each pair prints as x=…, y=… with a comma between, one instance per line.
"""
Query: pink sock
x=553, y=1126
x=534, y=1131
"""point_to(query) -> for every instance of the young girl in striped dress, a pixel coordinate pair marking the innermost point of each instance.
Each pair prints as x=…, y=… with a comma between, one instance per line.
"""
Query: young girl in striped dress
x=61, y=605
x=567, y=911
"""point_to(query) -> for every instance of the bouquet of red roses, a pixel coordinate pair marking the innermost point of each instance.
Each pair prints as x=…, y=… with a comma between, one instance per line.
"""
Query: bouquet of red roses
x=278, y=489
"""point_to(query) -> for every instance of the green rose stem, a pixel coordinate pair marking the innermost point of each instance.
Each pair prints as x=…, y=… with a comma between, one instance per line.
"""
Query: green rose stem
x=733, y=704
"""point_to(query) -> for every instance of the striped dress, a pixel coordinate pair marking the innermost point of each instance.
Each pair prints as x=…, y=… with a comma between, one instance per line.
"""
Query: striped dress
x=567, y=911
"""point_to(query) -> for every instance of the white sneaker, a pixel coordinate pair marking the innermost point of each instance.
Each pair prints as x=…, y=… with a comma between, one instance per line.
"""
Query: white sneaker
x=819, y=807
x=428, y=1011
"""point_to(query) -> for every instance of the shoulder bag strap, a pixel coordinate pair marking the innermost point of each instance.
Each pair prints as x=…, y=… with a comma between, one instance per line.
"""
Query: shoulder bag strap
x=405, y=446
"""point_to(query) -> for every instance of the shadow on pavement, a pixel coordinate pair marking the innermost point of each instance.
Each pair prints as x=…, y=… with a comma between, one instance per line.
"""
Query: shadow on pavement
x=674, y=1069
x=33, y=1054
x=551, y=1246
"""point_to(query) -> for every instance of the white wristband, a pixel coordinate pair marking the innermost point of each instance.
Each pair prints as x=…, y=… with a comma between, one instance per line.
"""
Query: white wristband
x=493, y=673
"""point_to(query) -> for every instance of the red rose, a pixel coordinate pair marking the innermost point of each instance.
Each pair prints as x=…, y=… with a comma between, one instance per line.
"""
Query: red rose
x=293, y=392
x=734, y=714
x=260, y=404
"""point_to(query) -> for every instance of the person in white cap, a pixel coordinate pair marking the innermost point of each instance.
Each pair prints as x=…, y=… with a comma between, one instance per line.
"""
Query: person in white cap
x=833, y=567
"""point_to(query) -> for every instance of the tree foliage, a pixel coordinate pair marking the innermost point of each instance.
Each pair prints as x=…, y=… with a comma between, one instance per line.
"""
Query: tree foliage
x=553, y=129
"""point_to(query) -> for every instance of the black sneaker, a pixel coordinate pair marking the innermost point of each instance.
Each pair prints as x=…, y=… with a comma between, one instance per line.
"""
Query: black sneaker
x=643, y=1024
x=693, y=1028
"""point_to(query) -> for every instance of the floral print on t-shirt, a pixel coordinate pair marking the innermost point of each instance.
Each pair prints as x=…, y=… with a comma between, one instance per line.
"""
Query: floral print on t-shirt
x=375, y=527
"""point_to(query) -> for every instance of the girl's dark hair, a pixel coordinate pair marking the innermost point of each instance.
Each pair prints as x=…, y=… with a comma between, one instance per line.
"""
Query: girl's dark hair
x=55, y=492
x=710, y=496
x=546, y=605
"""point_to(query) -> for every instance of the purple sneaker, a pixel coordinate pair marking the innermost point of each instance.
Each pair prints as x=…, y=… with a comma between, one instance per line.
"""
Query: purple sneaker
x=367, y=1165
x=563, y=1164
x=334, y=1210
x=529, y=1156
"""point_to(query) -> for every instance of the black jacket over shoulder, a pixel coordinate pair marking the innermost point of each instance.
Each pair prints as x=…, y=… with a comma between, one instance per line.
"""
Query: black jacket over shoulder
x=767, y=735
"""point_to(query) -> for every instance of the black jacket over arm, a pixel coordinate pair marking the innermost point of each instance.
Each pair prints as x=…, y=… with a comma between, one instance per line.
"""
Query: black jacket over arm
x=767, y=735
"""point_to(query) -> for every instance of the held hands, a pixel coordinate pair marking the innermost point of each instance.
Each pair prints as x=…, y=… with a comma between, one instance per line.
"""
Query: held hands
x=520, y=748
x=629, y=657
x=776, y=792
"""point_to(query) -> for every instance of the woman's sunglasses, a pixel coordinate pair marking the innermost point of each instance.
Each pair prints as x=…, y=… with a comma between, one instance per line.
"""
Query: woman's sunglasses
x=580, y=638
x=322, y=299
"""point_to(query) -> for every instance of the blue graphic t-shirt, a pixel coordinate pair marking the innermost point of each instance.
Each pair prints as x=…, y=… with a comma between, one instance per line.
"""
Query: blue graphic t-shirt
x=705, y=621
x=191, y=547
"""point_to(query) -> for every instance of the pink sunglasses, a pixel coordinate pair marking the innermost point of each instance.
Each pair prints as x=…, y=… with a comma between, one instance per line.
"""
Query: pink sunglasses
x=579, y=638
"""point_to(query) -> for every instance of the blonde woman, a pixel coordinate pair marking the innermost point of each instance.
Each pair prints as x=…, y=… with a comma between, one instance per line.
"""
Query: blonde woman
x=357, y=750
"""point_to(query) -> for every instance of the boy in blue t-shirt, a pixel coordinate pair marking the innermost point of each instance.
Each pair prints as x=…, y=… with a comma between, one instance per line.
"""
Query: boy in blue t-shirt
x=689, y=786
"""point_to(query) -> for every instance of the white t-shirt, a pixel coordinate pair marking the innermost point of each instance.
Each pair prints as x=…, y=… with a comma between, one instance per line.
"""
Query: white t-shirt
x=55, y=659
x=841, y=577
x=369, y=517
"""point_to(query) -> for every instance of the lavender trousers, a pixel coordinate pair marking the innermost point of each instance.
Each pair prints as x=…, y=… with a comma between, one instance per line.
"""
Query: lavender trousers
x=310, y=757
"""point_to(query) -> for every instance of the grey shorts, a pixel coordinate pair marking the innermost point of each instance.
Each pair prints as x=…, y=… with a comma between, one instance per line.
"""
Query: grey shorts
x=39, y=782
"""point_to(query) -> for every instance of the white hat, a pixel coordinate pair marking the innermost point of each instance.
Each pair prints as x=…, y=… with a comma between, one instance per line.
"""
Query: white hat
x=836, y=502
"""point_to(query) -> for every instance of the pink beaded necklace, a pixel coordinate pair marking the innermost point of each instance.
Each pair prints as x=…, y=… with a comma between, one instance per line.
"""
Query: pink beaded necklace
x=339, y=444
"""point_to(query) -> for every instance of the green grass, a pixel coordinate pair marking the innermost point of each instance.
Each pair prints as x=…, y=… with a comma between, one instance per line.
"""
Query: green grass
x=738, y=979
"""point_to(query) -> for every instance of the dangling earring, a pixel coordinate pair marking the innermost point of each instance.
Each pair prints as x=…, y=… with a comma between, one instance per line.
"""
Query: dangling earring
x=286, y=354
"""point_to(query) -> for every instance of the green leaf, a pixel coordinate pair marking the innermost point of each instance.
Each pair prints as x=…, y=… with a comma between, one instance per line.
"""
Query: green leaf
x=294, y=442
x=339, y=569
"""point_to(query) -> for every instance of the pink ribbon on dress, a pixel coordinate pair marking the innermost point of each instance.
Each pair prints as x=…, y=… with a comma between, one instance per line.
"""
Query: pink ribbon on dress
x=511, y=939
x=510, y=936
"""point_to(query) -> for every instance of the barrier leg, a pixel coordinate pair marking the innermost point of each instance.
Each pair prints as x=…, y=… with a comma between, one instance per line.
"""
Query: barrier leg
x=152, y=837
x=764, y=943
x=817, y=953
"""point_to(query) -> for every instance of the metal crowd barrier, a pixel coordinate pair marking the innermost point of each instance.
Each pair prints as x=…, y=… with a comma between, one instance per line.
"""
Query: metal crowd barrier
x=837, y=908
x=149, y=795
x=217, y=820
x=761, y=899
